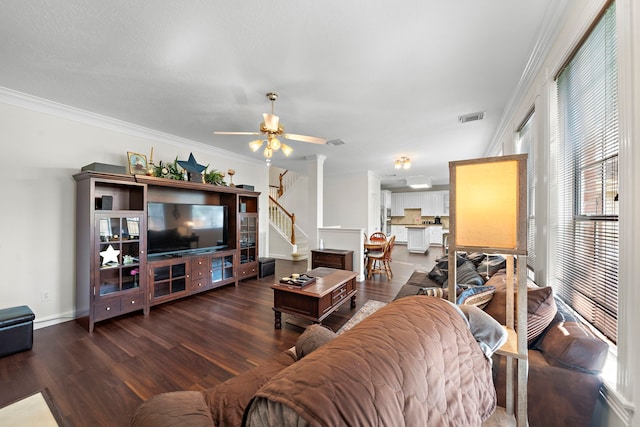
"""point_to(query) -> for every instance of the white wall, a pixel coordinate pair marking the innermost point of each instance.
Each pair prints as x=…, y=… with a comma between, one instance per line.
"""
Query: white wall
x=42, y=145
x=621, y=395
x=373, y=183
x=351, y=239
x=346, y=201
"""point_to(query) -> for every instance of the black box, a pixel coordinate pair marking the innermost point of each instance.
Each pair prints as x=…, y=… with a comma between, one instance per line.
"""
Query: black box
x=16, y=330
x=266, y=267
x=103, y=167
x=246, y=187
x=104, y=203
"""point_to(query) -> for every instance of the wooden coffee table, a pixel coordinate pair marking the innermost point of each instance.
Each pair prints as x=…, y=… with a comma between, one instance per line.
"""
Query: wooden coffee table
x=317, y=300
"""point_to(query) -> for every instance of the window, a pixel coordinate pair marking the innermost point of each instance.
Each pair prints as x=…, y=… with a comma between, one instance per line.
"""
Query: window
x=525, y=144
x=585, y=274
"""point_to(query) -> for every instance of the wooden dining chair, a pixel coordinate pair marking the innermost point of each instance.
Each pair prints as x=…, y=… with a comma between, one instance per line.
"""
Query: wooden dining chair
x=380, y=262
x=378, y=235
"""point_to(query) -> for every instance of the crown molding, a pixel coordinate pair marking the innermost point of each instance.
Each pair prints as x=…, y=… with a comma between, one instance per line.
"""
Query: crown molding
x=554, y=16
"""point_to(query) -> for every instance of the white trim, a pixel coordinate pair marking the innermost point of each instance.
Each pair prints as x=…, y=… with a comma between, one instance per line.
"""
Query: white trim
x=623, y=409
x=34, y=103
x=629, y=179
x=554, y=16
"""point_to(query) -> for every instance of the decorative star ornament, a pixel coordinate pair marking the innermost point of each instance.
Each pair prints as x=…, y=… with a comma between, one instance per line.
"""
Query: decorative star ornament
x=191, y=165
x=110, y=255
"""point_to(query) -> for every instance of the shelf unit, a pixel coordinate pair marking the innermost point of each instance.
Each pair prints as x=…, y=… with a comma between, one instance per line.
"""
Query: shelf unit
x=110, y=247
x=113, y=274
x=498, y=225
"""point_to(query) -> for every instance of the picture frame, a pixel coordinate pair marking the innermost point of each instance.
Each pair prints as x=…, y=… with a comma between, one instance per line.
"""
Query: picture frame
x=137, y=163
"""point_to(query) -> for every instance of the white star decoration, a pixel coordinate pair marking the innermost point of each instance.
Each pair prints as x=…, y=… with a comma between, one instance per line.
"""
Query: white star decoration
x=110, y=255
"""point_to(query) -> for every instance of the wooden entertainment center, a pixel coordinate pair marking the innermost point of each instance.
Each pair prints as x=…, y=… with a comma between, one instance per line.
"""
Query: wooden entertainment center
x=114, y=274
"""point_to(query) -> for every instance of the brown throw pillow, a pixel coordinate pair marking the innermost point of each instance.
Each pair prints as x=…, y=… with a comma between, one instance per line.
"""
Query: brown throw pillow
x=541, y=308
x=571, y=345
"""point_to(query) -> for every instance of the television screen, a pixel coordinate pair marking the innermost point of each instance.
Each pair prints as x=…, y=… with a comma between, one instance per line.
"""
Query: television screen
x=175, y=228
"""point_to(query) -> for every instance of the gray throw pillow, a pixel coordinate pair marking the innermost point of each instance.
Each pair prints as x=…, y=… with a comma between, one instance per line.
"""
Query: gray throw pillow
x=312, y=338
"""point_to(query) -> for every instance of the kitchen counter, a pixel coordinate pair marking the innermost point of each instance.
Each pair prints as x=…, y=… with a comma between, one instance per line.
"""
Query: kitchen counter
x=421, y=236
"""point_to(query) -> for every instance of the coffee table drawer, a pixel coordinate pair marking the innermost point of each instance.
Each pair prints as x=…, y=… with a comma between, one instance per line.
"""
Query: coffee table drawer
x=339, y=294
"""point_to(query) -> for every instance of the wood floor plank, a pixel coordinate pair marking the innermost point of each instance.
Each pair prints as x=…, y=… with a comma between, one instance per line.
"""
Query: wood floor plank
x=100, y=378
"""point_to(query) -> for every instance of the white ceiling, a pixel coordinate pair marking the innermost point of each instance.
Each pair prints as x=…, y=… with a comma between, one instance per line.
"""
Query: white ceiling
x=388, y=78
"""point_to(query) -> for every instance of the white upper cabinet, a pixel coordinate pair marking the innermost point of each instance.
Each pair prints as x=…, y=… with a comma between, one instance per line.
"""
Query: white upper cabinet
x=430, y=203
x=397, y=204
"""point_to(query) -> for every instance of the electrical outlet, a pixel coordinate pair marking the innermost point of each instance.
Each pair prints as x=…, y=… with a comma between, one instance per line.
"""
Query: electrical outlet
x=45, y=296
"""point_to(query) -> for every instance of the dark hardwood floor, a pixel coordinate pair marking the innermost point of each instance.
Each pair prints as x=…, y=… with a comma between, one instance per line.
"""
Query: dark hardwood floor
x=99, y=379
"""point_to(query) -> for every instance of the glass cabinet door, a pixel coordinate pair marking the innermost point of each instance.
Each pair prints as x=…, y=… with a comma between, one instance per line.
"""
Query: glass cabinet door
x=118, y=254
x=248, y=238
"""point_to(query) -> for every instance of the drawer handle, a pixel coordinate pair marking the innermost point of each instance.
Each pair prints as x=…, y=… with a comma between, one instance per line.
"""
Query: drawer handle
x=108, y=308
x=133, y=302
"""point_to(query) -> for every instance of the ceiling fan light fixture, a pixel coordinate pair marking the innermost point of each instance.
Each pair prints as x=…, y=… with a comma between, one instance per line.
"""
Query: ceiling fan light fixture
x=286, y=149
x=255, y=145
x=274, y=143
x=268, y=152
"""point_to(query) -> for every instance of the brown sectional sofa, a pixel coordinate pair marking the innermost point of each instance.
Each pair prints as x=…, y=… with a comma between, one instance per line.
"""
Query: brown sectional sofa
x=565, y=357
x=413, y=362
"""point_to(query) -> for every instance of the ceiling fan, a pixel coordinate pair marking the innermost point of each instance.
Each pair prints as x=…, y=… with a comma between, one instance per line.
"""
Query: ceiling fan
x=271, y=129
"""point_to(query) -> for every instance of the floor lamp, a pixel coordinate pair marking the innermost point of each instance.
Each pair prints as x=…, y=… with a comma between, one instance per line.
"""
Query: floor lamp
x=488, y=214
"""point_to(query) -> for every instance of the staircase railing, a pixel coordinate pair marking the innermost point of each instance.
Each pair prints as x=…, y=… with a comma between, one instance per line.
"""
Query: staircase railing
x=282, y=219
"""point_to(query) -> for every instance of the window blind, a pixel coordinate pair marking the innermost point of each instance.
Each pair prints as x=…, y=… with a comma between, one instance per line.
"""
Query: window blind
x=586, y=270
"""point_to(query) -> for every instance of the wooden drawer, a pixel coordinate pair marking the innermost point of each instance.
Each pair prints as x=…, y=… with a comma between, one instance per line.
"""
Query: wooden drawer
x=339, y=294
x=328, y=260
x=332, y=258
x=107, y=309
x=131, y=303
x=247, y=270
x=115, y=306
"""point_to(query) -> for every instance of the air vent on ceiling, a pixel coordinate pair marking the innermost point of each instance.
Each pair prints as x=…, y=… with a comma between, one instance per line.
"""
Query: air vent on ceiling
x=471, y=117
x=336, y=142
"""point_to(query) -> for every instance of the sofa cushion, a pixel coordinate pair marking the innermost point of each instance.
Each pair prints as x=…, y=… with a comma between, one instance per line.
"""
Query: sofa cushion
x=228, y=400
x=312, y=338
x=571, y=345
x=466, y=274
x=541, y=306
x=478, y=296
x=490, y=266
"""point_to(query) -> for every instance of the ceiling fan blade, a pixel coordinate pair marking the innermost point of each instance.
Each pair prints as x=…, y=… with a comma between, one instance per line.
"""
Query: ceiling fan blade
x=305, y=138
x=237, y=133
x=271, y=121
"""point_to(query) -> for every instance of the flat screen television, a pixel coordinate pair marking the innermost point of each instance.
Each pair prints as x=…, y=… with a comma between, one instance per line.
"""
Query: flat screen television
x=181, y=228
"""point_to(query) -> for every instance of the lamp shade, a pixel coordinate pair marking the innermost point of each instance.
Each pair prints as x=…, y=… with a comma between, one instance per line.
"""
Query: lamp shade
x=489, y=200
x=255, y=145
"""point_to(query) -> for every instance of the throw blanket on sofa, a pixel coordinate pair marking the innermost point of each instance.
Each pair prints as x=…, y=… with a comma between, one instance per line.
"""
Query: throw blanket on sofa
x=413, y=362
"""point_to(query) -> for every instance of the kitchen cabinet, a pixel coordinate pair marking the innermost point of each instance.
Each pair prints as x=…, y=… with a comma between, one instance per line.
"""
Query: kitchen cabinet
x=430, y=203
x=400, y=231
x=433, y=203
x=397, y=204
x=417, y=239
x=435, y=235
